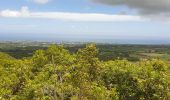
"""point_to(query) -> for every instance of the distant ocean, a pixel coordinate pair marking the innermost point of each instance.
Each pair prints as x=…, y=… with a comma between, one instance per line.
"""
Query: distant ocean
x=7, y=37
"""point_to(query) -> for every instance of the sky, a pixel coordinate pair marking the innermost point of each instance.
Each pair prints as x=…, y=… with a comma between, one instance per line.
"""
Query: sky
x=116, y=21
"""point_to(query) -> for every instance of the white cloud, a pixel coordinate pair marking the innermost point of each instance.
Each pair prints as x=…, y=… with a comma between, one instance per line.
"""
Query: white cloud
x=24, y=12
x=41, y=1
x=68, y=16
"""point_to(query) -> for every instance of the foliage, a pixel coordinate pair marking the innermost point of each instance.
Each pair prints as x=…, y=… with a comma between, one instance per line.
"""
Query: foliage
x=57, y=74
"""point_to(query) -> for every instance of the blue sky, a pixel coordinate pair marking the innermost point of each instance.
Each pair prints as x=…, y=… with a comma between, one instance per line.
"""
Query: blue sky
x=80, y=20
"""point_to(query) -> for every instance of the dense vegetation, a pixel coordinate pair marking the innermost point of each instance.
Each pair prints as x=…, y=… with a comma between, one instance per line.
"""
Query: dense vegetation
x=57, y=74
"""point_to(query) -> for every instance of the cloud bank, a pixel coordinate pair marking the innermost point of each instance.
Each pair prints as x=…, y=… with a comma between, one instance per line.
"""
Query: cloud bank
x=143, y=6
x=68, y=16
x=155, y=10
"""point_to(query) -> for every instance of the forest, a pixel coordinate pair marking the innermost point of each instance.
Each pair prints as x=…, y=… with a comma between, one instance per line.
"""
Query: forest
x=55, y=73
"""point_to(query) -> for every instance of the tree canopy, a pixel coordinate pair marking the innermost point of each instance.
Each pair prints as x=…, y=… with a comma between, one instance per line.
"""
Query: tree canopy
x=56, y=74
